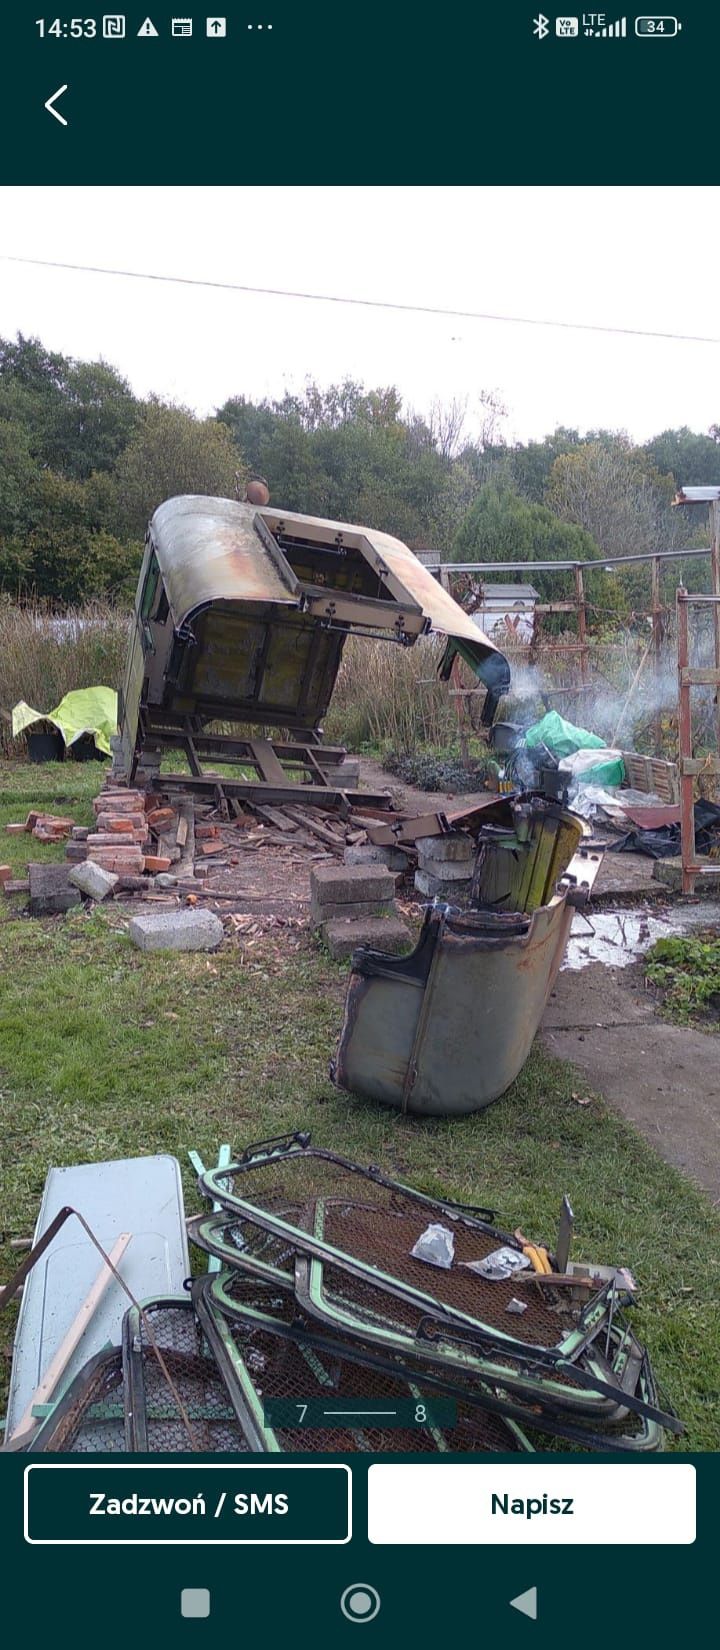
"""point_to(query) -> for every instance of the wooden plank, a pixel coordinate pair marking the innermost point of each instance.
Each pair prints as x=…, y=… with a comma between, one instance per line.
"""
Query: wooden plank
x=74, y=1335
x=266, y=762
x=332, y=839
x=276, y=816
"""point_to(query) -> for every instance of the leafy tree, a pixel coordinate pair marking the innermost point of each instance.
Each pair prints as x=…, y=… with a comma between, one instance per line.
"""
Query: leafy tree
x=502, y=526
x=173, y=452
x=692, y=460
x=78, y=415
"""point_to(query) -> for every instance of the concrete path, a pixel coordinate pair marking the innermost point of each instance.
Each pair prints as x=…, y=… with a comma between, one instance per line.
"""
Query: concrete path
x=663, y=1078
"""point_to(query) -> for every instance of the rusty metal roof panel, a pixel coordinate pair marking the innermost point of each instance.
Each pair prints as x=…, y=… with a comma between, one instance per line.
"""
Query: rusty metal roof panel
x=208, y=551
x=211, y=549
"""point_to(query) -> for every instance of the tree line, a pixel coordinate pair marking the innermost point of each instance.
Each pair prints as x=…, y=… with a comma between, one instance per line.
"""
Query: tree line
x=84, y=462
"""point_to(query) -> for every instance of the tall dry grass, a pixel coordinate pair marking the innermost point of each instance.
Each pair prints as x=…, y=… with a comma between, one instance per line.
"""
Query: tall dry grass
x=43, y=657
x=391, y=696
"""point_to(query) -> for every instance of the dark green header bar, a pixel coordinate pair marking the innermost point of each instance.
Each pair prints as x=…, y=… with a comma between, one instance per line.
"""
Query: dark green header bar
x=378, y=94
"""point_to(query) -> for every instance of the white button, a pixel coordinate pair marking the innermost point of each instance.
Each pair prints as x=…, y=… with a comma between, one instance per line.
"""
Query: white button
x=630, y=1504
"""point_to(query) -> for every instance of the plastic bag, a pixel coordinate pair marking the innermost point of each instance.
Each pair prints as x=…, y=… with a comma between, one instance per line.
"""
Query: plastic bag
x=561, y=737
x=499, y=1265
x=436, y=1245
x=588, y=769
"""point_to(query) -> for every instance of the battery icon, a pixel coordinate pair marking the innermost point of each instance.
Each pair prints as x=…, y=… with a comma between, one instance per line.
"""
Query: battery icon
x=657, y=28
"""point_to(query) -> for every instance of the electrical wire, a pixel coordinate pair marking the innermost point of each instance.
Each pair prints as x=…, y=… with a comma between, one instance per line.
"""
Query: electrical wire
x=364, y=303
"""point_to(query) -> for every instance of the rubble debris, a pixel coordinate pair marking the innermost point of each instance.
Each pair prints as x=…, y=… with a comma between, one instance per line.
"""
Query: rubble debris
x=343, y=936
x=51, y=890
x=178, y=930
x=45, y=827
x=93, y=881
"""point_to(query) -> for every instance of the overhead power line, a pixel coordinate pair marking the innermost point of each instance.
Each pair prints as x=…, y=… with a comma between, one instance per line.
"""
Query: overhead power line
x=366, y=303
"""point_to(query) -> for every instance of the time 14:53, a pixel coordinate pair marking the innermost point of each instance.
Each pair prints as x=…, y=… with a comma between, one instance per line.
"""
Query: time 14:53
x=76, y=27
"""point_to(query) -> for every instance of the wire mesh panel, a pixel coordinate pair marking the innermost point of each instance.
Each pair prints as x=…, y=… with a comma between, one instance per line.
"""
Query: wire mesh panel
x=89, y=1419
x=179, y=1402
x=271, y=1358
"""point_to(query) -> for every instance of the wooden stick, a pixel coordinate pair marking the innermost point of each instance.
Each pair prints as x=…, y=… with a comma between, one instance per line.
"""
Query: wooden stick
x=77, y=1328
x=631, y=690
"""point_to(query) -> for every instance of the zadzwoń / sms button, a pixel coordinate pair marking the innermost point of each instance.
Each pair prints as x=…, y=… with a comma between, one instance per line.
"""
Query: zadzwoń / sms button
x=181, y=1505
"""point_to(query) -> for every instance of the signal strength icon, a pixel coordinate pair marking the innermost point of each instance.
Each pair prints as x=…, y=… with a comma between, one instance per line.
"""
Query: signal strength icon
x=609, y=31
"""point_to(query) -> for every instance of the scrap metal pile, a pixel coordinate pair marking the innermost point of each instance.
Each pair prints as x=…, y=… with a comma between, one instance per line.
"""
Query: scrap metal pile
x=327, y=1281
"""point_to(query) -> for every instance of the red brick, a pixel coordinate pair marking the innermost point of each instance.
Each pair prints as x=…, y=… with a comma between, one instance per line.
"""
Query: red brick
x=161, y=818
x=203, y=833
x=121, y=822
x=16, y=830
x=156, y=862
x=5, y=873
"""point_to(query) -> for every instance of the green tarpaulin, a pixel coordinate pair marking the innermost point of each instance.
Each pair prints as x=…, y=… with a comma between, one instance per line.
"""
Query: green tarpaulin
x=561, y=737
x=87, y=710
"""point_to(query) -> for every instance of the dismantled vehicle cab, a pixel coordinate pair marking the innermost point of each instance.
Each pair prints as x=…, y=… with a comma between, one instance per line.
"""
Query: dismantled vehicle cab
x=242, y=613
x=446, y=1029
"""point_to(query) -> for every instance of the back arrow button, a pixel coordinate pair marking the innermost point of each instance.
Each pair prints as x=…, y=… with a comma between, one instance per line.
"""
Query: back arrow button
x=52, y=101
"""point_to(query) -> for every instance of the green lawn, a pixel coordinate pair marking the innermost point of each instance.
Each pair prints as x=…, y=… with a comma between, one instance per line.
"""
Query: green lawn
x=107, y=1052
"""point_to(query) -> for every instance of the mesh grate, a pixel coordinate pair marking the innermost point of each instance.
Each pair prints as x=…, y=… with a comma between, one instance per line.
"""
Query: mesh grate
x=386, y=1238
x=90, y=1417
x=213, y=1423
x=278, y=1367
x=298, y=1178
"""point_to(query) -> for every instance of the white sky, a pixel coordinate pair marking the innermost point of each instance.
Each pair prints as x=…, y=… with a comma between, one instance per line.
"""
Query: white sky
x=644, y=258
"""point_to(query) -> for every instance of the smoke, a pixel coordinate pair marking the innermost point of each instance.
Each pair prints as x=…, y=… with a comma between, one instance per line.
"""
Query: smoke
x=628, y=694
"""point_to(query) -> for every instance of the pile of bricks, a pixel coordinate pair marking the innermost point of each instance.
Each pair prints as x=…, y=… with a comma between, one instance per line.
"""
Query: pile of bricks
x=445, y=867
x=44, y=827
x=121, y=834
x=353, y=905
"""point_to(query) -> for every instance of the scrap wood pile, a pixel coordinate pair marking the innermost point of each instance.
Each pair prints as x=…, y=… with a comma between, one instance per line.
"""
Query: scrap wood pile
x=329, y=1281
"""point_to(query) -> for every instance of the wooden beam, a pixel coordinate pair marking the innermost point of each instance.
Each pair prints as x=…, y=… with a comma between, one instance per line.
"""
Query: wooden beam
x=74, y=1334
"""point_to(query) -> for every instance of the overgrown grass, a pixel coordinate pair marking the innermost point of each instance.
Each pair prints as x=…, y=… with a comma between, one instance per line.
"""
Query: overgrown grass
x=686, y=972
x=106, y=1052
x=43, y=657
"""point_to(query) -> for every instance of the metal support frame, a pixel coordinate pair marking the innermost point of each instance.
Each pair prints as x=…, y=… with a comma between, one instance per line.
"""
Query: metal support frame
x=691, y=766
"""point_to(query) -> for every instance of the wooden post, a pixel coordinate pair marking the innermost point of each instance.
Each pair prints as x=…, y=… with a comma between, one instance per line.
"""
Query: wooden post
x=715, y=587
x=657, y=636
x=687, y=815
x=581, y=622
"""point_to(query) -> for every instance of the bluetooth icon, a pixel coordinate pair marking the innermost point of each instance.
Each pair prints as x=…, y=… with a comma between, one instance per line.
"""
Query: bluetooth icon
x=541, y=26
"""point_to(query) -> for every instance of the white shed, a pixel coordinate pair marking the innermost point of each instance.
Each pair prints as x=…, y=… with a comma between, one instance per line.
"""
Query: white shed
x=507, y=610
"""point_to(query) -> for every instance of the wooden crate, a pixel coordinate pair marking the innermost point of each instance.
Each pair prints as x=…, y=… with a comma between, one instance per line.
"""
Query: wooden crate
x=651, y=774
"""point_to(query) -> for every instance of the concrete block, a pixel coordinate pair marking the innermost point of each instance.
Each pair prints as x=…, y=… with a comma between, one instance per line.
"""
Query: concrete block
x=366, y=853
x=51, y=890
x=451, y=870
x=707, y=882
x=380, y=933
x=76, y=851
x=456, y=893
x=181, y=930
x=92, y=880
x=341, y=884
x=349, y=908
x=453, y=846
